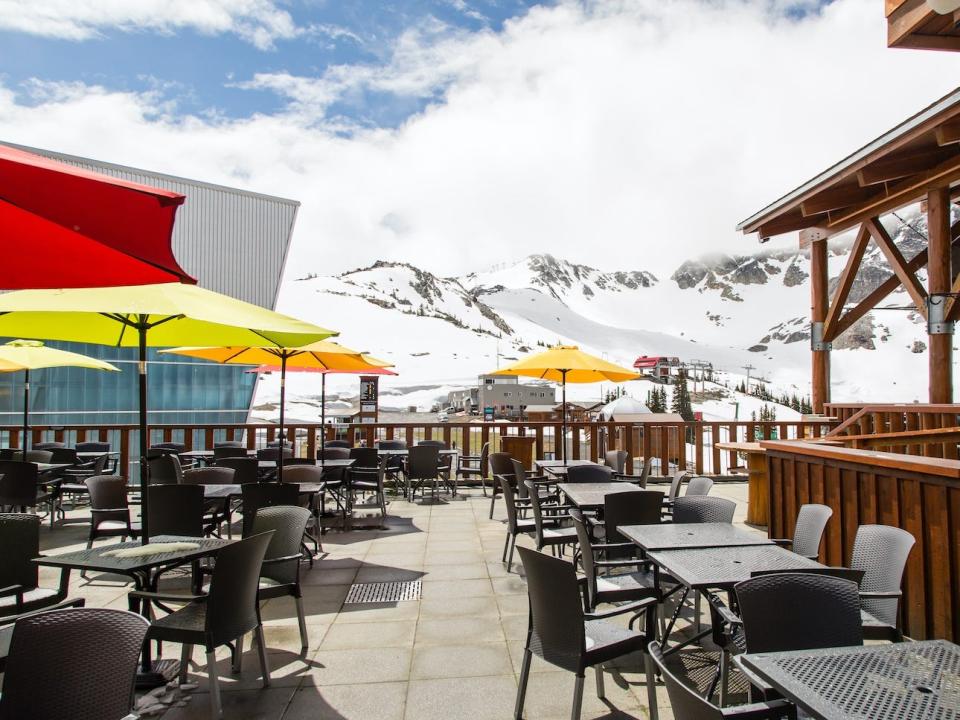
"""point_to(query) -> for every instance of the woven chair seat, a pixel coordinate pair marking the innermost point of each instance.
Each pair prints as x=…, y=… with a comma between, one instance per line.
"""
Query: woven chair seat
x=189, y=618
x=606, y=641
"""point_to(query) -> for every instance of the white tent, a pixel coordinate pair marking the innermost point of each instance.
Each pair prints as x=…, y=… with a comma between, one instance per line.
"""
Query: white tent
x=623, y=405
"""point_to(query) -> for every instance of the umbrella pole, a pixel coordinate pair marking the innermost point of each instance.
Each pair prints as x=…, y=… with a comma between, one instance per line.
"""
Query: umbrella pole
x=323, y=416
x=24, y=444
x=144, y=440
x=283, y=397
x=564, y=410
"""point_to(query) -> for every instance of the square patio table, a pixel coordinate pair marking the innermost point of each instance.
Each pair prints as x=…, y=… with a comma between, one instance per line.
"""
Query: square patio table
x=901, y=681
x=558, y=468
x=677, y=536
x=723, y=567
x=588, y=496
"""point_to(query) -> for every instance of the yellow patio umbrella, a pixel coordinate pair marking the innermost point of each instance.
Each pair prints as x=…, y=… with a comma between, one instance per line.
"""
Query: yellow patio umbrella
x=325, y=356
x=27, y=355
x=568, y=363
x=162, y=315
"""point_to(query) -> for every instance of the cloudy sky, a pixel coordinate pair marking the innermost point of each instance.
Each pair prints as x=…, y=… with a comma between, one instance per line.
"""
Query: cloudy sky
x=454, y=134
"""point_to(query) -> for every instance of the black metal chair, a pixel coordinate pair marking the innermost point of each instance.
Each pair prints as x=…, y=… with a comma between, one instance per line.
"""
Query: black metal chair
x=515, y=524
x=76, y=663
x=546, y=520
x=175, y=510
x=616, y=460
x=211, y=475
x=337, y=444
x=501, y=466
x=38, y=456
x=632, y=508
x=422, y=468
x=333, y=453
x=221, y=452
x=444, y=464
x=169, y=447
x=676, y=482
x=698, y=485
x=49, y=445
x=245, y=469
x=260, y=495
x=228, y=611
x=19, y=488
x=74, y=484
x=63, y=456
x=687, y=704
x=475, y=466
x=280, y=575
x=881, y=552
x=109, y=509
x=271, y=454
x=560, y=632
x=163, y=467
x=589, y=474
x=93, y=446
x=368, y=481
x=20, y=589
x=703, y=509
x=366, y=465
x=808, y=532
x=396, y=467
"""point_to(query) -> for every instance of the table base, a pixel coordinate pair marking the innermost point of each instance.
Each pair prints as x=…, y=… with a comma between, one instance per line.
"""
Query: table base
x=161, y=672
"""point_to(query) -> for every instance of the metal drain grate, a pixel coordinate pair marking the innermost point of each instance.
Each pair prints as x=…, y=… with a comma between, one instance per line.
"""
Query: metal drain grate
x=384, y=592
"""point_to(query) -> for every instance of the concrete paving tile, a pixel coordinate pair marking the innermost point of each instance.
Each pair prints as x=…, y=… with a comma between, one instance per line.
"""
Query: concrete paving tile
x=370, y=635
x=513, y=605
x=383, y=701
x=442, y=557
x=467, y=571
x=509, y=585
x=457, y=588
x=328, y=576
x=268, y=704
x=482, y=698
x=462, y=607
x=378, y=612
x=359, y=665
x=550, y=694
x=442, y=661
x=457, y=631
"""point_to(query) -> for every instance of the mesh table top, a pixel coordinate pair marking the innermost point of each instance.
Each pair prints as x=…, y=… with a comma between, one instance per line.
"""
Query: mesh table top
x=668, y=536
x=902, y=681
x=724, y=567
x=94, y=558
x=559, y=468
x=591, y=495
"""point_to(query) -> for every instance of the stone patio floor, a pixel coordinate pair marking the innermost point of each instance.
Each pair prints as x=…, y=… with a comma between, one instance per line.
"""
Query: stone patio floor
x=455, y=653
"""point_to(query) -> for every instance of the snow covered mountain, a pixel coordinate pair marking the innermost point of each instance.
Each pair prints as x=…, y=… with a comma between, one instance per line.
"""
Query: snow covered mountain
x=731, y=310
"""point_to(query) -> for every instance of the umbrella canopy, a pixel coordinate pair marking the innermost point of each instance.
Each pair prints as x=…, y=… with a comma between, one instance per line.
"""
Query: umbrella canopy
x=568, y=363
x=323, y=356
x=27, y=355
x=161, y=315
x=91, y=230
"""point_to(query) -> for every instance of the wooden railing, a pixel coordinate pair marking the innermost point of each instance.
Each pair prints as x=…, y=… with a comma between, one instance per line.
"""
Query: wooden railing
x=899, y=422
x=917, y=493
x=668, y=445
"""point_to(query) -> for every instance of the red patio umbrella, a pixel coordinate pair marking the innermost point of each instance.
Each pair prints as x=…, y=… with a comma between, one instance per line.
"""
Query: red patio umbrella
x=65, y=227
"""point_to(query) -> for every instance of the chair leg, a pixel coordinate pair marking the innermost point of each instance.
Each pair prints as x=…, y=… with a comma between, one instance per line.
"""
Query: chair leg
x=696, y=608
x=238, y=656
x=522, y=687
x=493, y=499
x=513, y=544
x=216, y=709
x=185, y=652
x=301, y=620
x=598, y=671
x=262, y=650
x=506, y=544
x=577, y=699
x=724, y=676
x=83, y=573
x=651, y=681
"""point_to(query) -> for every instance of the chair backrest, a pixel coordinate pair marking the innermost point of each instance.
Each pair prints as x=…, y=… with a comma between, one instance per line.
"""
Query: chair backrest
x=699, y=485
x=107, y=492
x=339, y=444
x=389, y=445
x=535, y=506
x=20, y=540
x=509, y=500
x=616, y=460
x=245, y=469
x=169, y=447
x=228, y=444
x=212, y=475
x=296, y=474
x=64, y=455
x=501, y=464
x=645, y=473
x=881, y=551
x=436, y=443
x=93, y=447
x=685, y=702
x=288, y=524
x=164, y=468
x=643, y=507
x=232, y=607
x=799, y=611
x=422, y=462
x=175, y=510
x=229, y=451
x=333, y=453
x=261, y=495
x=49, y=445
x=364, y=458
x=589, y=474
x=18, y=483
x=556, y=612
x=77, y=663
x=484, y=455
x=811, y=522
x=586, y=555
x=273, y=453
x=703, y=509
x=675, y=482
x=39, y=456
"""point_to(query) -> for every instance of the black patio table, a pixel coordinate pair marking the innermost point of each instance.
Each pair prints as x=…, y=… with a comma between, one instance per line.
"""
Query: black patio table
x=588, y=496
x=144, y=570
x=676, y=536
x=558, y=468
x=901, y=681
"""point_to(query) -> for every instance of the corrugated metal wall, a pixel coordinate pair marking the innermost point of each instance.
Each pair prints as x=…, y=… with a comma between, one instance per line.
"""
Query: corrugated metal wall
x=231, y=241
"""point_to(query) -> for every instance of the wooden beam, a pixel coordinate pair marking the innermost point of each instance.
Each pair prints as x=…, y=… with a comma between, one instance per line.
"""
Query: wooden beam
x=930, y=42
x=846, y=280
x=906, y=19
x=939, y=278
x=898, y=264
x=896, y=167
x=820, y=359
x=790, y=223
x=840, y=197
x=949, y=132
x=812, y=234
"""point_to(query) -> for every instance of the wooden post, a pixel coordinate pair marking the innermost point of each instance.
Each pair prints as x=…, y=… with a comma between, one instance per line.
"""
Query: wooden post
x=939, y=280
x=820, y=350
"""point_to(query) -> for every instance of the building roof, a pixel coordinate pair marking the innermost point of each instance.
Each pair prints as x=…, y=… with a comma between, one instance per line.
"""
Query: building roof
x=915, y=24
x=540, y=409
x=649, y=361
x=896, y=169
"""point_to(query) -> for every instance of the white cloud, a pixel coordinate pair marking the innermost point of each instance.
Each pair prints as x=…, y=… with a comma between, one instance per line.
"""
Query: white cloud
x=260, y=22
x=626, y=136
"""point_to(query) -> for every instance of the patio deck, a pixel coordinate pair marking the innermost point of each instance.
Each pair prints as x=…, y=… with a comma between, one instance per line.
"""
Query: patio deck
x=453, y=653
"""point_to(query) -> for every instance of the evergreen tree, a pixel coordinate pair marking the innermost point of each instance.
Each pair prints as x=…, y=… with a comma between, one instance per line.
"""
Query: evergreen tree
x=680, y=403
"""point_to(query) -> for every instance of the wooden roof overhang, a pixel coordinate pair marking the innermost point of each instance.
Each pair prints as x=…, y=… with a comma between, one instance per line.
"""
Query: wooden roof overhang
x=895, y=170
x=915, y=24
